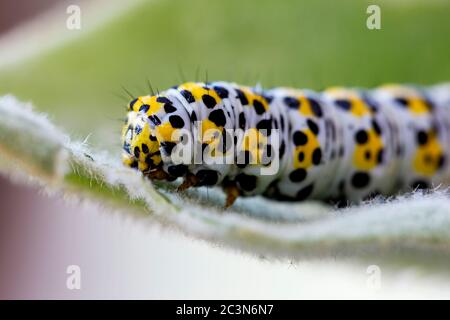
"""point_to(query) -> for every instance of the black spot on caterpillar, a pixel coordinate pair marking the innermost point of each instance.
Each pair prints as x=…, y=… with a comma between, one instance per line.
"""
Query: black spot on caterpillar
x=291, y=144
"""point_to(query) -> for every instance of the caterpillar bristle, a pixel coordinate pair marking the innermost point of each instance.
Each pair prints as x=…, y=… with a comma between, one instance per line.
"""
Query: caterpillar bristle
x=128, y=92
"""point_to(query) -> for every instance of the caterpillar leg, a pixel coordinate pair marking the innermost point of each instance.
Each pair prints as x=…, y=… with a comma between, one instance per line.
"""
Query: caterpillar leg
x=232, y=191
x=158, y=174
x=190, y=180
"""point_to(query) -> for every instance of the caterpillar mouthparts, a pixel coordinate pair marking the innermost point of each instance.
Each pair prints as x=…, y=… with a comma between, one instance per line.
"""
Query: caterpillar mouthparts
x=342, y=144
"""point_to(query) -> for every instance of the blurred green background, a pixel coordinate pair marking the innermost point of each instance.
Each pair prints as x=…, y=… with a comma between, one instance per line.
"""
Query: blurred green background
x=310, y=44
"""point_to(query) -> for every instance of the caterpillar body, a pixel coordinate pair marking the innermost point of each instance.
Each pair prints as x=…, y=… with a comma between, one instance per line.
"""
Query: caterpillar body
x=340, y=144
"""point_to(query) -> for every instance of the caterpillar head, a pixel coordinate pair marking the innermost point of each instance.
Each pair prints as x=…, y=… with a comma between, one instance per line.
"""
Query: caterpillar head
x=139, y=142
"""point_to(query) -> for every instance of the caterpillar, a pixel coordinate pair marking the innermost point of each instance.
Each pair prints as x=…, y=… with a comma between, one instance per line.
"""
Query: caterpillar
x=341, y=144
